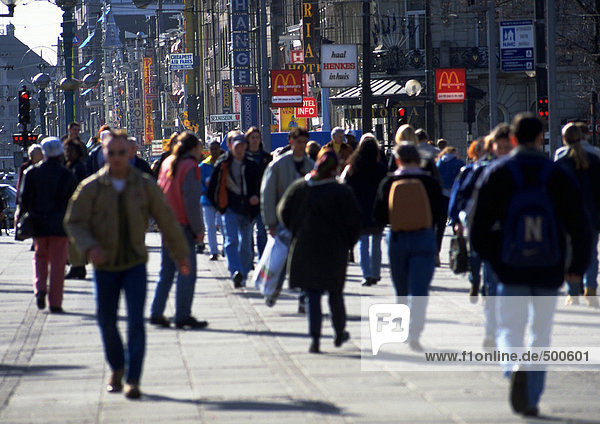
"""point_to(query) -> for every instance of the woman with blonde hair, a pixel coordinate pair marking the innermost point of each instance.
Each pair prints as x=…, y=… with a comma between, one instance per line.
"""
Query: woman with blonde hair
x=406, y=133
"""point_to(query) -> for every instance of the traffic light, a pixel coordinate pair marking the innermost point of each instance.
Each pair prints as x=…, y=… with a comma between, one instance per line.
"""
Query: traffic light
x=24, y=139
x=543, y=107
x=192, y=109
x=24, y=106
x=402, y=116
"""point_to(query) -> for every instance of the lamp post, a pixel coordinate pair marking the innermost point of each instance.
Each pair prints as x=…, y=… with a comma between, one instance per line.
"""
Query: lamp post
x=11, y=8
x=42, y=81
x=68, y=84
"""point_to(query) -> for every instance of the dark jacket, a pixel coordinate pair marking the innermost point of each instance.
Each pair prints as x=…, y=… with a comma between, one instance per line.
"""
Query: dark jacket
x=448, y=166
x=464, y=185
x=45, y=192
x=364, y=184
x=434, y=192
x=324, y=219
x=493, y=193
x=589, y=183
x=95, y=159
x=78, y=169
x=237, y=203
x=143, y=166
x=262, y=159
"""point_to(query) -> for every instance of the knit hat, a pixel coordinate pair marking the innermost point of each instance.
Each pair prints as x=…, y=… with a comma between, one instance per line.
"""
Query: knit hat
x=326, y=166
x=52, y=147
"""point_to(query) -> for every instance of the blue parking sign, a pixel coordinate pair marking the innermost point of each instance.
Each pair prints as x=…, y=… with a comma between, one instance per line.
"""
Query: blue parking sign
x=517, y=46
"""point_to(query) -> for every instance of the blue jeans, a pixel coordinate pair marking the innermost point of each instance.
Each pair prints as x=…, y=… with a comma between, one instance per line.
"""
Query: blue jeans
x=108, y=286
x=315, y=314
x=237, y=233
x=184, y=294
x=412, y=262
x=590, y=278
x=210, y=220
x=475, y=265
x=261, y=235
x=490, y=282
x=519, y=306
x=370, y=255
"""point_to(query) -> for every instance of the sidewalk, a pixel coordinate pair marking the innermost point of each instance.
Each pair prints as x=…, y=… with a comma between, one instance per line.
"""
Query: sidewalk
x=251, y=364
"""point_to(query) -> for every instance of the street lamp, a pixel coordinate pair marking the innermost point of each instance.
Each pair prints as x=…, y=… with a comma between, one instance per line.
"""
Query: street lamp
x=11, y=8
x=68, y=84
x=42, y=81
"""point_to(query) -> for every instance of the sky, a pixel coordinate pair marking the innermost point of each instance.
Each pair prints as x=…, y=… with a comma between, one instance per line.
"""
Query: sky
x=37, y=24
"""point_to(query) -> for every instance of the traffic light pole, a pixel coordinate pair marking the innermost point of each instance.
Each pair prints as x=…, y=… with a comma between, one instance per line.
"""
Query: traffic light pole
x=553, y=118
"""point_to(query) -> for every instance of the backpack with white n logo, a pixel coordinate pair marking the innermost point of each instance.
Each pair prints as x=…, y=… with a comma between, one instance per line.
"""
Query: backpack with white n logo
x=530, y=235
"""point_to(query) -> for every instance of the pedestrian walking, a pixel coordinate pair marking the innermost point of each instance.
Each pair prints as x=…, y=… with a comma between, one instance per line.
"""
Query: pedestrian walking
x=44, y=195
x=584, y=163
x=211, y=215
x=321, y=238
x=257, y=153
x=107, y=219
x=525, y=206
x=34, y=155
x=234, y=191
x=279, y=175
x=363, y=174
x=179, y=179
x=410, y=200
x=312, y=149
x=136, y=161
x=95, y=159
x=338, y=144
x=74, y=161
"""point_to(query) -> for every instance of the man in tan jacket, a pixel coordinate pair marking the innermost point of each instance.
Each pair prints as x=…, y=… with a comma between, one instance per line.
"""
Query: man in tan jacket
x=107, y=220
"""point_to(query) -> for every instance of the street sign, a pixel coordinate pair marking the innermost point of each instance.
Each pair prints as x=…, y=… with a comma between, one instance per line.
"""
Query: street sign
x=181, y=61
x=157, y=147
x=225, y=117
x=516, y=46
x=308, y=109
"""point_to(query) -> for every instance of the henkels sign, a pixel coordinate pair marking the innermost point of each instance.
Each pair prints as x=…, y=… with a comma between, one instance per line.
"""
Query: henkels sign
x=338, y=65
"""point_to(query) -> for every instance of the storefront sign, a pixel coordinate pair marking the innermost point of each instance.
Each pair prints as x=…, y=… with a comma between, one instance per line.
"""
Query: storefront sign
x=286, y=88
x=338, y=65
x=450, y=85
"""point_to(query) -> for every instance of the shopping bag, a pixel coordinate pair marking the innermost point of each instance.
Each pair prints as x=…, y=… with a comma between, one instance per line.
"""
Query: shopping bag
x=459, y=256
x=270, y=266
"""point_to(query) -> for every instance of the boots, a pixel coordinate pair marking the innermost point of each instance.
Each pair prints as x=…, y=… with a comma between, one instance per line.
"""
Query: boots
x=76, y=273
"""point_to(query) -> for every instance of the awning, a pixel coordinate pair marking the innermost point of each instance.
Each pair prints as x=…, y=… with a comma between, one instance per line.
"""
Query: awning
x=381, y=89
x=390, y=89
x=86, y=91
x=106, y=12
x=88, y=63
x=87, y=40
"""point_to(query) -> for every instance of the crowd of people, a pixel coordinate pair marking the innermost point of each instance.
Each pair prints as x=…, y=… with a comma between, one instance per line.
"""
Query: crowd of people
x=532, y=223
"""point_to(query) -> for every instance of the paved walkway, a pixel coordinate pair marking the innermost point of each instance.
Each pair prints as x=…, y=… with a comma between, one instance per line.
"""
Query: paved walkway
x=250, y=365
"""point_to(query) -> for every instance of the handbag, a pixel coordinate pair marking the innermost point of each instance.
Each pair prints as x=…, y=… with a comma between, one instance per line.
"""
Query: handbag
x=459, y=256
x=270, y=266
x=24, y=229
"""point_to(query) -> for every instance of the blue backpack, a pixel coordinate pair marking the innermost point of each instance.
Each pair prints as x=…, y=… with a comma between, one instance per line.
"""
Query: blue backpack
x=530, y=235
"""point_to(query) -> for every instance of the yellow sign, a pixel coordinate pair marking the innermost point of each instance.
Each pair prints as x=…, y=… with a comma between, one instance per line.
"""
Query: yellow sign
x=288, y=120
x=148, y=119
x=165, y=144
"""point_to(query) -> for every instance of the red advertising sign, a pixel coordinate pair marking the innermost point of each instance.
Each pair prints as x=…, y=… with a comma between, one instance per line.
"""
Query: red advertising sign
x=308, y=109
x=286, y=88
x=297, y=56
x=450, y=85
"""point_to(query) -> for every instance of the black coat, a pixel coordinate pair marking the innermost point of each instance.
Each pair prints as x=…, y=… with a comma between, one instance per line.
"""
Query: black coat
x=493, y=193
x=45, y=192
x=238, y=204
x=324, y=219
x=364, y=184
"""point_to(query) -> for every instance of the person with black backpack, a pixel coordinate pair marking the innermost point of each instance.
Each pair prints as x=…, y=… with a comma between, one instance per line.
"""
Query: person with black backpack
x=410, y=200
x=524, y=208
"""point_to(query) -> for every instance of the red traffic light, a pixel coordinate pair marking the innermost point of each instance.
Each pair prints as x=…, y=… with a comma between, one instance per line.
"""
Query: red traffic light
x=401, y=112
x=24, y=95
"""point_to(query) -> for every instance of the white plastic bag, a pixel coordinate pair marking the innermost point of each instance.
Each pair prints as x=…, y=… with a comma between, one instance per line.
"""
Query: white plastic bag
x=270, y=266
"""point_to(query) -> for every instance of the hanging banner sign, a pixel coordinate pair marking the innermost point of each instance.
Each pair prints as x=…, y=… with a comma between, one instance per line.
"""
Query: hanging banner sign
x=286, y=88
x=310, y=37
x=308, y=109
x=450, y=85
x=339, y=65
x=148, y=120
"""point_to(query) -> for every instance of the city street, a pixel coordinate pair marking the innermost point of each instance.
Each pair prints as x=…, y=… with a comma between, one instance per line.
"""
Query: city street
x=250, y=365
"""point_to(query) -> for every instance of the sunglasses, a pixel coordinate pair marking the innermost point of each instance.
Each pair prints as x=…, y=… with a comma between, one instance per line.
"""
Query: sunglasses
x=121, y=152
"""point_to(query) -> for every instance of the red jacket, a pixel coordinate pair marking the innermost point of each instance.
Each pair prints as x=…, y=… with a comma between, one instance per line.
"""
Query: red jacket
x=172, y=187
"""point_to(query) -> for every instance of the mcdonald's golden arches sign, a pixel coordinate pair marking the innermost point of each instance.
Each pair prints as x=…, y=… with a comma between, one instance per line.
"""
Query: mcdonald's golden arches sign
x=286, y=88
x=450, y=85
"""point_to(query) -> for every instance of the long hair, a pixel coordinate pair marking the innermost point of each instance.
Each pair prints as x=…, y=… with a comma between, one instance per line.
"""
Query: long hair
x=365, y=156
x=184, y=143
x=103, y=128
x=572, y=138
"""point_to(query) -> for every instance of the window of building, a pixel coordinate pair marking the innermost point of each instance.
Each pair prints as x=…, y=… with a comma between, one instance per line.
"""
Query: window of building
x=416, y=29
x=483, y=120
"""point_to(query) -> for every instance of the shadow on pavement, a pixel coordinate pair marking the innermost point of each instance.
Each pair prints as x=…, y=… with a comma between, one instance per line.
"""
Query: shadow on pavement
x=549, y=419
x=257, y=333
x=254, y=405
x=7, y=370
